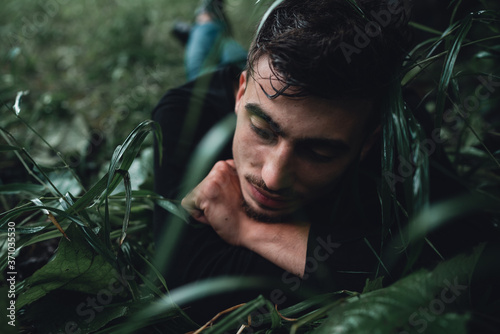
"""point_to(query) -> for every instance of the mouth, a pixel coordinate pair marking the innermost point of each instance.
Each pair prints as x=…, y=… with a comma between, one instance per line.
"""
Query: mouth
x=269, y=201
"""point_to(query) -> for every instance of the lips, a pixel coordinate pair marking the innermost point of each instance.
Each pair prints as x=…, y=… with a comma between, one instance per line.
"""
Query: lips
x=269, y=201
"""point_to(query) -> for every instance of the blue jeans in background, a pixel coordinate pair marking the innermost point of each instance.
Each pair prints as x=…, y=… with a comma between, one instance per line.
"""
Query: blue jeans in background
x=209, y=46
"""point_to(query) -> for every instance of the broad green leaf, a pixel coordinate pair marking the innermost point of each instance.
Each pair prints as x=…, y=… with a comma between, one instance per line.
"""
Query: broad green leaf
x=401, y=307
x=75, y=266
x=71, y=312
x=372, y=285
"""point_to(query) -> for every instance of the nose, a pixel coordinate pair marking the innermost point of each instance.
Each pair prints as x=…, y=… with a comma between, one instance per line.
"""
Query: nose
x=277, y=171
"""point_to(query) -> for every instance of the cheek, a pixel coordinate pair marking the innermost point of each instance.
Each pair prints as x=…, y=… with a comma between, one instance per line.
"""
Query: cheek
x=244, y=150
x=315, y=180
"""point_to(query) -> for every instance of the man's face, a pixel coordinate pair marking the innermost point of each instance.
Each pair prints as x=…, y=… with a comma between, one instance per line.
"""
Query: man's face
x=289, y=151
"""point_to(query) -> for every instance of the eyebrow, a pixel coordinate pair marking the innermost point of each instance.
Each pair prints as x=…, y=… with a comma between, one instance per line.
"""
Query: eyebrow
x=257, y=111
x=336, y=144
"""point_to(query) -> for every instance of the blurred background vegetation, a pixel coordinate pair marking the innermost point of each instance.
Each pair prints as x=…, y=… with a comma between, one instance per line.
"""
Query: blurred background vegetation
x=94, y=70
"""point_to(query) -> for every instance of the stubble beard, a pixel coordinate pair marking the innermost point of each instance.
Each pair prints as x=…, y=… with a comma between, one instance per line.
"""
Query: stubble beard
x=259, y=216
x=262, y=217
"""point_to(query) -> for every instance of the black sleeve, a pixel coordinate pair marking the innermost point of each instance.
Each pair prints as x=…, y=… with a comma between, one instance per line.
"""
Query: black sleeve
x=205, y=255
x=337, y=260
x=345, y=236
x=185, y=114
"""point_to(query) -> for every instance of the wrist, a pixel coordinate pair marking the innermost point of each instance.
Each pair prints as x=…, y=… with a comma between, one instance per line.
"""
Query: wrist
x=284, y=244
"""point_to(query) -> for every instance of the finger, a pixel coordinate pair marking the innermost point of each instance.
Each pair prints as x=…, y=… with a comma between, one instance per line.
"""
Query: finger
x=189, y=203
x=194, y=211
x=199, y=215
x=217, y=179
x=232, y=167
x=230, y=162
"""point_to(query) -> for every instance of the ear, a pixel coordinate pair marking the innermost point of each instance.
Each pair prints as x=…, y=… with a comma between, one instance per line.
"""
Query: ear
x=370, y=140
x=241, y=90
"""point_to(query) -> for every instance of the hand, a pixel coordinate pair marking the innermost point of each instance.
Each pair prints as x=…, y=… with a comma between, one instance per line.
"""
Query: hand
x=217, y=201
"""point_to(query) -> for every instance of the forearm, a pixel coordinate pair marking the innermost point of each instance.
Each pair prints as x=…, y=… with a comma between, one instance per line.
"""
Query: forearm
x=284, y=244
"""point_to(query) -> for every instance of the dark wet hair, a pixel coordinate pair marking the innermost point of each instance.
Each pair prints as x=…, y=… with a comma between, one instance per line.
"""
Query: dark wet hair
x=333, y=48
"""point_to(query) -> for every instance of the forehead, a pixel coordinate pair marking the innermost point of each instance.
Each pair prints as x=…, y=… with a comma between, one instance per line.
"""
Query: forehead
x=305, y=116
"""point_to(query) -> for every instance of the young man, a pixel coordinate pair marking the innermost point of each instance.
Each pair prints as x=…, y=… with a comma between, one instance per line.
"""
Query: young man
x=289, y=200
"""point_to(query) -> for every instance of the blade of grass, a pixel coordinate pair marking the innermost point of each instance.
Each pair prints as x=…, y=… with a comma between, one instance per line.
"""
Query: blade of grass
x=17, y=110
x=187, y=294
x=6, y=148
x=16, y=188
x=357, y=9
x=424, y=28
x=268, y=12
x=441, y=213
x=174, y=208
x=54, y=221
x=202, y=160
x=314, y=302
x=313, y=316
x=122, y=159
x=11, y=214
x=232, y=321
x=455, y=9
x=10, y=139
x=448, y=66
x=128, y=203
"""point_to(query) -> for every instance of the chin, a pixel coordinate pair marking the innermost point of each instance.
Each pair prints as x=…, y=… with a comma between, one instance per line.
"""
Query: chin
x=267, y=216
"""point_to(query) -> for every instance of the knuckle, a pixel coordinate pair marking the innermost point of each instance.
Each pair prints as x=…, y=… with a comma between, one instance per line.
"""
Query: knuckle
x=220, y=165
x=212, y=190
x=218, y=177
x=185, y=202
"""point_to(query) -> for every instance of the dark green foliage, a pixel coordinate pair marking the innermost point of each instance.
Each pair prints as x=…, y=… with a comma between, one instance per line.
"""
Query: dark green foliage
x=75, y=267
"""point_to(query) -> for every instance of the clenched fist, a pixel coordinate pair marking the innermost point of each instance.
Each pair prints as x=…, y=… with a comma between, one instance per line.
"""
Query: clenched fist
x=217, y=201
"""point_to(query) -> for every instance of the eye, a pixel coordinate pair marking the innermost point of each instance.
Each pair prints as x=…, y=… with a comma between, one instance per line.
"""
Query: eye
x=261, y=128
x=318, y=154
